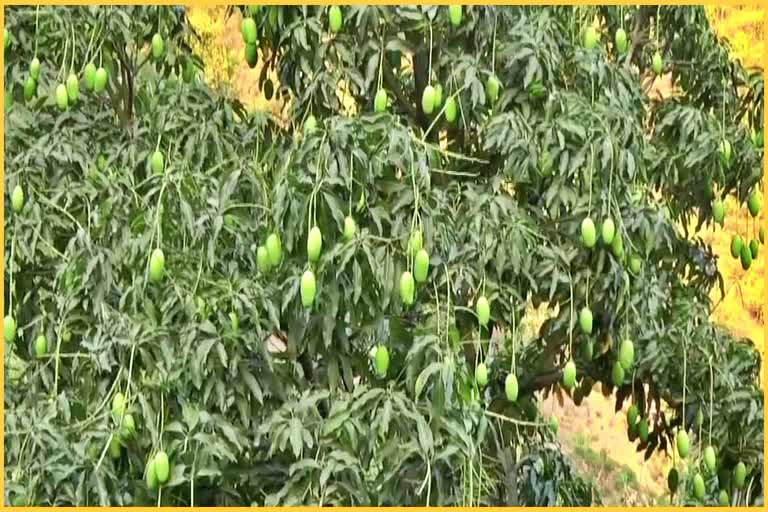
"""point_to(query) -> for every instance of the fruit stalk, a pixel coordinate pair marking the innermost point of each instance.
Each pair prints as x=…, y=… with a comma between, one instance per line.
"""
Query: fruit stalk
x=155, y=231
x=381, y=65
x=161, y=417
x=429, y=67
x=591, y=162
x=37, y=16
x=72, y=60
x=58, y=359
x=610, y=185
x=570, y=331
x=128, y=382
x=10, y=274
x=90, y=46
x=104, y=452
x=514, y=340
x=63, y=61
x=711, y=397
x=415, y=218
x=312, y=214
x=621, y=17
x=722, y=122
x=437, y=305
x=685, y=369
x=493, y=44
x=351, y=170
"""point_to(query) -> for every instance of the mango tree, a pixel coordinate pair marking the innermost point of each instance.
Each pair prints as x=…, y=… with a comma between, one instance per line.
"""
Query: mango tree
x=208, y=306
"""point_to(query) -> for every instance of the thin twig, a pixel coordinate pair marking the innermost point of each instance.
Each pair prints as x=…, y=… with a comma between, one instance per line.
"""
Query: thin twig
x=512, y=420
x=448, y=153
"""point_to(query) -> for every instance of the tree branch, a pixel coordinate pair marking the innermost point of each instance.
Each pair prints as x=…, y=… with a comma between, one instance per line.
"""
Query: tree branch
x=641, y=22
x=420, y=76
x=394, y=86
x=551, y=376
x=127, y=107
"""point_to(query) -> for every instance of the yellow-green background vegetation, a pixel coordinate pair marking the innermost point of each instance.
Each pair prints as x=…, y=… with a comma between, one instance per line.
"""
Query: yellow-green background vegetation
x=742, y=310
x=593, y=434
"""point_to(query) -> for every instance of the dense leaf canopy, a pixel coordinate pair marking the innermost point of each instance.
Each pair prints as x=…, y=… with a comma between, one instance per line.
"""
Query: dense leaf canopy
x=258, y=399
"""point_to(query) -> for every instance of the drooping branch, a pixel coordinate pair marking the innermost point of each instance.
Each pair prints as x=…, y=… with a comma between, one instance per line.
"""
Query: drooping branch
x=394, y=87
x=639, y=38
x=420, y=74
x=127, y=79
x=532, y=383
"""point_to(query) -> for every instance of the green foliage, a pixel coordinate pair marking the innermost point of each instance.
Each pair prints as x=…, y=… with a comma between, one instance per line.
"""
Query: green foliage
x=288, y=408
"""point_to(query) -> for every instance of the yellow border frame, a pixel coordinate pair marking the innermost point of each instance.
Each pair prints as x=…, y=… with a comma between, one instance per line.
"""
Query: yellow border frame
x=314, y=2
